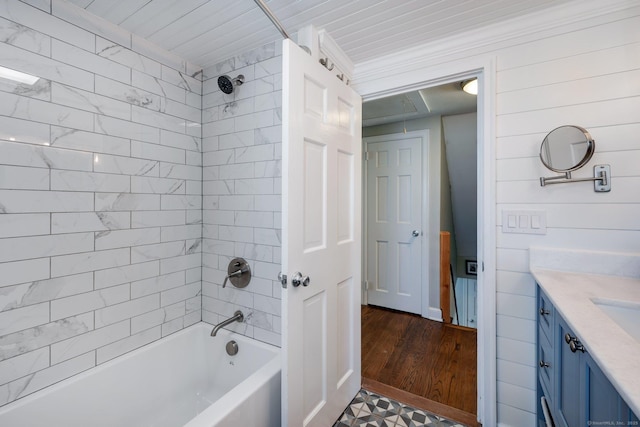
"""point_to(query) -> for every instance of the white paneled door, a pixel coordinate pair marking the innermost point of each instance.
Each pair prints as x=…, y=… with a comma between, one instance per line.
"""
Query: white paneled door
x=321, y=156
x=394, y=221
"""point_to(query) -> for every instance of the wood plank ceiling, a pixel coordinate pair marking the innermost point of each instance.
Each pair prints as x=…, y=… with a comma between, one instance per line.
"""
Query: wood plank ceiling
x=206, y=32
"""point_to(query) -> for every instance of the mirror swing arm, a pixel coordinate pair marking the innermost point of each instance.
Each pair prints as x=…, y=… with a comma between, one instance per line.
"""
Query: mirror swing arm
x=568, y=148
x=601, y=178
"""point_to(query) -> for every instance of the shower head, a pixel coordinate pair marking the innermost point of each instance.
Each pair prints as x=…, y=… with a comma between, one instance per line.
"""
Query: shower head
x=227, y=84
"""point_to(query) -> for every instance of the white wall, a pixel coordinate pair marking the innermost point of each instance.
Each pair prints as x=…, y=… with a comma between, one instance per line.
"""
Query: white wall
x=100, y=195
x=460, y=138
x=569, y=66
x=242, y=137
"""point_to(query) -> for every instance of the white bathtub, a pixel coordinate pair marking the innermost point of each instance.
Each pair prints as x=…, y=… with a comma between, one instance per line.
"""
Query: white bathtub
x=186, y=379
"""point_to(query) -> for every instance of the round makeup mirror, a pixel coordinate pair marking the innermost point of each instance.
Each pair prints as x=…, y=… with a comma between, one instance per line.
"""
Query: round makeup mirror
x=567, y=148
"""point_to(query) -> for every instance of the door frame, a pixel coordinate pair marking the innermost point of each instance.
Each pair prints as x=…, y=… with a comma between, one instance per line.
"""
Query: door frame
x=379, y=80
x=427, y=213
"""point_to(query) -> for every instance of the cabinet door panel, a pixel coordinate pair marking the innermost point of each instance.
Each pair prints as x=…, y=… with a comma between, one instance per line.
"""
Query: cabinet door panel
x=603, y=403
x=568, y=379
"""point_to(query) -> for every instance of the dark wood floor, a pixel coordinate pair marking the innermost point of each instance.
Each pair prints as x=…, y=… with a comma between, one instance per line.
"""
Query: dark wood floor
x=420, y=356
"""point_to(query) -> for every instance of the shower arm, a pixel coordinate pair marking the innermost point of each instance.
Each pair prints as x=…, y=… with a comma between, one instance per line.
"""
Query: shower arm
x=272, y=17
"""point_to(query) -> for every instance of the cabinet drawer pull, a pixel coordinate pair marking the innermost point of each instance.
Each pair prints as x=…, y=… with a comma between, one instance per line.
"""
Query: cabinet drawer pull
x=544, y=312
x=543, y=364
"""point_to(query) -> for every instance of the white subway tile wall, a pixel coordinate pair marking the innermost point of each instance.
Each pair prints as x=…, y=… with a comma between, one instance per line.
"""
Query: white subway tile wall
x=241, y=142
x=100, y=195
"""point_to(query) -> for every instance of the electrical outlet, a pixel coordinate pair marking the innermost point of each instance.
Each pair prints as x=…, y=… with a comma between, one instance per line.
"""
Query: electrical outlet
x=524, y=222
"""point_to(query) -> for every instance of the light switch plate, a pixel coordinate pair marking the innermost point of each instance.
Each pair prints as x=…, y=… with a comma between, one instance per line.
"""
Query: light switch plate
x=524, y=222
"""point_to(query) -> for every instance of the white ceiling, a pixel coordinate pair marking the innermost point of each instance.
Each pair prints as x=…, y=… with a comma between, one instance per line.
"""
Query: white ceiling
x=206, y=32
x=440, y=100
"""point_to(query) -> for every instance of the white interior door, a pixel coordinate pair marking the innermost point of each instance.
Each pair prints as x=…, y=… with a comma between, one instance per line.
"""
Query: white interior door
x=394, y=222
x=322, y=162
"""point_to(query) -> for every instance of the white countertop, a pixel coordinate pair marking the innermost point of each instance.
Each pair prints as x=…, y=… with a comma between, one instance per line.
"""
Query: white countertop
x=615, y=351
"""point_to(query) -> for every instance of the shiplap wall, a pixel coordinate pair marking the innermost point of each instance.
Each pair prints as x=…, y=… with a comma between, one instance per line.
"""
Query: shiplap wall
x=575, y=65
x=100, y=194
x=588, y=77
x=242, y=136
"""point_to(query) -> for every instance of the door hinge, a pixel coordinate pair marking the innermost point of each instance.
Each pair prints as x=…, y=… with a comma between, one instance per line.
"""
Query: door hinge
x=482, y=265
x=365, y=285
x=366, y=155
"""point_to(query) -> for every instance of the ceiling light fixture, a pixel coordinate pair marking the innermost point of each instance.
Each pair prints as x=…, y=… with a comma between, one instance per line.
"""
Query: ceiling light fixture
x=470, y=86
x=17, y=76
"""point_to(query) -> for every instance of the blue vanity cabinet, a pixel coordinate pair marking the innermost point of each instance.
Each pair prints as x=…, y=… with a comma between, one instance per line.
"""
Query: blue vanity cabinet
x=575, y=388
x=567, y=402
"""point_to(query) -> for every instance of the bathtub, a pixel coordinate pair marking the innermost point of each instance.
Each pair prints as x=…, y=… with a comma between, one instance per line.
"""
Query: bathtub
x=186, y=379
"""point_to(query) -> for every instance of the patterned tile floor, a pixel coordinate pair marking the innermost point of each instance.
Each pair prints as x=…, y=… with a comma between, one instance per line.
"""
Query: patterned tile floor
x=370, y=409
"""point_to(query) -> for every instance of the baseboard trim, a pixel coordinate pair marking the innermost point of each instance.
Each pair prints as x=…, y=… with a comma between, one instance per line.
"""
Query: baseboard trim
x=434, y=314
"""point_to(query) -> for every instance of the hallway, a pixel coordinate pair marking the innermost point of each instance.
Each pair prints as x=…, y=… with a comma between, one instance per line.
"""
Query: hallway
x=420, y=356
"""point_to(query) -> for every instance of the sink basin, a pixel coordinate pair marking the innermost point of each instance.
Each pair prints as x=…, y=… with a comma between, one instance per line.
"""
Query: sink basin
x=625, y=314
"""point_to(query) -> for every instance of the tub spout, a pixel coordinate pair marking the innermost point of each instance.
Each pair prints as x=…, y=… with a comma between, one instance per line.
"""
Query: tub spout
x=237, y=317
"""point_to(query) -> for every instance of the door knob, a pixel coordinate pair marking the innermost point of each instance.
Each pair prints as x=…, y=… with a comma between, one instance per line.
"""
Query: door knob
x=298, y=279
x=415, y=233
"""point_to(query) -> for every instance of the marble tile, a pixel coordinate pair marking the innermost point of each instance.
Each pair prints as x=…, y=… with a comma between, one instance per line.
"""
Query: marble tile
x=71, y=55
x=126, y=93
x=126, y=202
x=272, y=168
x=172, y=326
x=170, y=265
x=47, y=377
x=51, y=70
x=157, y=284
x=267, y=236
x=24, y=364
x=92, y=340
x=21, y=248
x=126, y=129
x=41, y=89
x=157, y=251
x=175, y=202
x=180, y=232
x=89, y=101
x=254, y=186
x=146, y=48
x=157, y=219
x=73, y=305
x=13, y=273
x=44, y=5
x=127, y=344
x=259, y=54
x=95, y=25
x=30, y=339
x=253, y=251
x=182, y=293
x=126, y=310
x=127, y=57
x=125, y=165
x=127, y=273
x=157, y=152
x=65, y=265
x=28, y=16
x=178, y=140
x=89, y=181
x=44, y=290
x=256, y=153
x=181, y=79
x=12, y=129
x=175, y=171
x=88, y=141
x=21, y=178
x=45, y=112
x=157, y=317
x=24, y=318
x=16, y=225
x=157, y=119
x=157, y=86
x=125, y=238
x=157, y=185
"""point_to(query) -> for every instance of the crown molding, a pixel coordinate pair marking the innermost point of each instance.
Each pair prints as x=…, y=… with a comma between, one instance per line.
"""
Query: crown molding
x=558, y=19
